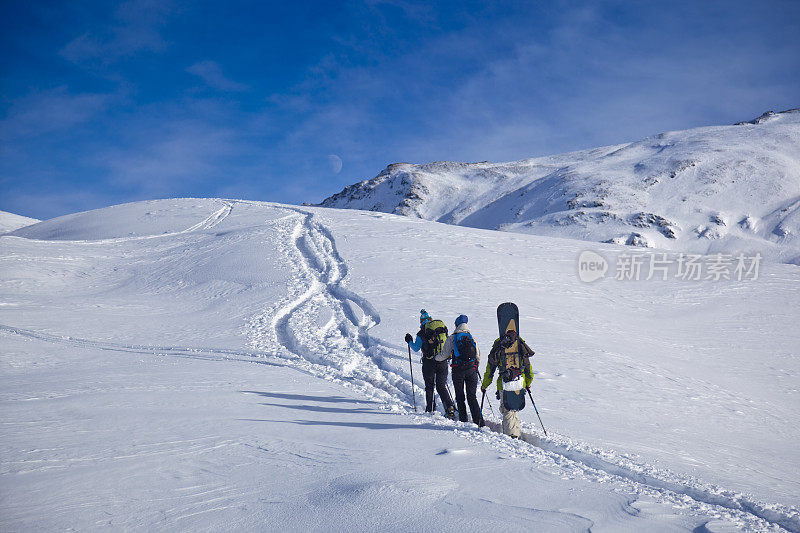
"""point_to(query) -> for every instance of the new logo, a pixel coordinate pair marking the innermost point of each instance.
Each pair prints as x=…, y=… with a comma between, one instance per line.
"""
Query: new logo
x=591, y=266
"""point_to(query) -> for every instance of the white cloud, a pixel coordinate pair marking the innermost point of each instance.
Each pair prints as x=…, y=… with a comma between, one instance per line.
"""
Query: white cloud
x=166, y=157
x=211, y=74
x=138, y=29
x=48, y=111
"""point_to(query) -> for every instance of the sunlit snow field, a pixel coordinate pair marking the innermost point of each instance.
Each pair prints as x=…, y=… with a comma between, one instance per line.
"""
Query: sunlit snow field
x=219, y=364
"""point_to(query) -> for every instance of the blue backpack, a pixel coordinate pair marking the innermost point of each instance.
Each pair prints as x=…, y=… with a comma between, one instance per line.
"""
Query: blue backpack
x=465, y=352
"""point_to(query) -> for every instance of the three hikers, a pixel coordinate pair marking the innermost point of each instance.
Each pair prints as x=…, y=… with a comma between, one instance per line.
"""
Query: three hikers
x=510, y=354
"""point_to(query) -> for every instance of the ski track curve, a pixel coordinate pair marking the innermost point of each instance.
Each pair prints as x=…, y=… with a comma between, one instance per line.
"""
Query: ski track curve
x=360, y=361
x=342, y=350
x=207, y=223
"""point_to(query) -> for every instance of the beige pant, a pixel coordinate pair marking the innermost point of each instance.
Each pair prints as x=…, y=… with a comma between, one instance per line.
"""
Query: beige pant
x=511, y=424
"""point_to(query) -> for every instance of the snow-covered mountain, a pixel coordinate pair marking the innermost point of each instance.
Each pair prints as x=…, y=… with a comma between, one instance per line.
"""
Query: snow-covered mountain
x=727, y=189
x=10, y=222
x=201, y=364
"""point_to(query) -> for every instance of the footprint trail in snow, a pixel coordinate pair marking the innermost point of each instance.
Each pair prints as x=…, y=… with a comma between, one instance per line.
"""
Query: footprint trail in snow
x=323, y=328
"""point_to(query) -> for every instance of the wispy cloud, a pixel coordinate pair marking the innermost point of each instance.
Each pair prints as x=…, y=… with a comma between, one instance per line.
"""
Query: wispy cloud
x=50, y=111
x=541, y=81
x=168, y=157
x=211, y=74
x=137, y=28
x=149, y=113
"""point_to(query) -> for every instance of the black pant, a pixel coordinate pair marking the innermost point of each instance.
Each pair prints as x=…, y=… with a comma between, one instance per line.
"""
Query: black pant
x=467, y=375
x=435, y=373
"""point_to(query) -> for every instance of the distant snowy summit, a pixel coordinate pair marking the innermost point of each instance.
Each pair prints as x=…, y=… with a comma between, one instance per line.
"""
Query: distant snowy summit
x=10, y=222
x=725, y=189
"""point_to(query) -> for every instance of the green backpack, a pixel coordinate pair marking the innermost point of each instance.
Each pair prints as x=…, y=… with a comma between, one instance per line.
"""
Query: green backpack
x=433, y=335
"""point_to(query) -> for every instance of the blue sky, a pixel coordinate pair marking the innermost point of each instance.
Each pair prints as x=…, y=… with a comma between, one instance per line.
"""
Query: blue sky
x=104, y=103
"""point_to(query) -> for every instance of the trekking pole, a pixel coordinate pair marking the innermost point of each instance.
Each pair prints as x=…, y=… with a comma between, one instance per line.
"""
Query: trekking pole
x=483, y=391
x=491, y=408
x=411, y=368
x=483, y=395
x=452, y=398
x=535, y=409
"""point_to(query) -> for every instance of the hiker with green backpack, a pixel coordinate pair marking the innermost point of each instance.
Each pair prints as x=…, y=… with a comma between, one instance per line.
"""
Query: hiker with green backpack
x=430, y=338
x=512, y=357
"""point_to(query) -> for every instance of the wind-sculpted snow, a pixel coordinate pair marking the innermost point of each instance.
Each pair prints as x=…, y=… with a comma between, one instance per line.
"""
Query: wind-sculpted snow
x=723, y=189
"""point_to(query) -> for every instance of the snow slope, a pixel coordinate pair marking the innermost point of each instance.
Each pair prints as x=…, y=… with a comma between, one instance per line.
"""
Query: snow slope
x=217, y=364
x=10, y=222
x=725, y=189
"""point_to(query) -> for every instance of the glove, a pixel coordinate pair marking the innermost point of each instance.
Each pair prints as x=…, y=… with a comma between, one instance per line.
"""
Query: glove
x=497, y=395
x=483, y=391
x=528, y=389
x=409, y=338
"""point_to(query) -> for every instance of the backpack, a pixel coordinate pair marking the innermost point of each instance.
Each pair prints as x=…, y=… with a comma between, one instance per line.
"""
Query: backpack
x=464, y=350
x=512, y=360
x=433, y=334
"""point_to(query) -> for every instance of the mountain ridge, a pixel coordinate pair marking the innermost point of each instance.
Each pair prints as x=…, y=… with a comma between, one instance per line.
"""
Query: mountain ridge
x=715, y=189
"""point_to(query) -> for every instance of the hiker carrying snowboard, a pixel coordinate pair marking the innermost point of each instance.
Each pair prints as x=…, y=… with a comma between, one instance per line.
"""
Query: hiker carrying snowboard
x=511, y=355
x=430, y=338
x=463, y=351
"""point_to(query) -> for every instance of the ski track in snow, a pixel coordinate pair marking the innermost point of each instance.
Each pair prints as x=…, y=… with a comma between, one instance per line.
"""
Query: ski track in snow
x=322, y=328
x=207, y=223
x=318, y=328
x=344, y=351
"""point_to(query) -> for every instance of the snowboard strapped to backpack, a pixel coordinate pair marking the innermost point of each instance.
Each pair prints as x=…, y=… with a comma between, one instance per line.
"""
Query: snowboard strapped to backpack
x=511, y=361
x=433, y=335
x=465, y=352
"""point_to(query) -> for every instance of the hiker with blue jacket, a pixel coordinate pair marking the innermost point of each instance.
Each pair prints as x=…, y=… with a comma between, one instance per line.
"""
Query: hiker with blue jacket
x=430, y=338
x=465, y=355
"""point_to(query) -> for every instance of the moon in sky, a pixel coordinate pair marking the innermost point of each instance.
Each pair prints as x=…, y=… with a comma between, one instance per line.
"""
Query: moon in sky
x=335, y=162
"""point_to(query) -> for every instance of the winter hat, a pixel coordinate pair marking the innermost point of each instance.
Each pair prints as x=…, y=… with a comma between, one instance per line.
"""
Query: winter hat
x=462, y=319
x=423, y=316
